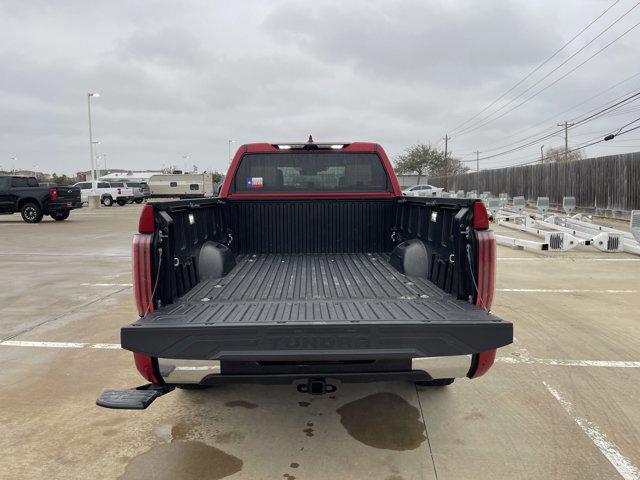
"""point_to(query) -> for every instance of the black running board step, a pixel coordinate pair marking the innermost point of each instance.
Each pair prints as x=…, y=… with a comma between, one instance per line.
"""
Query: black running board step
x=137, y=398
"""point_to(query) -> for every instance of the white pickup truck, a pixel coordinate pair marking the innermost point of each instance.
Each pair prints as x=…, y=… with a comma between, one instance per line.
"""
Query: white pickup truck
x=109, y=192
x=125, y=192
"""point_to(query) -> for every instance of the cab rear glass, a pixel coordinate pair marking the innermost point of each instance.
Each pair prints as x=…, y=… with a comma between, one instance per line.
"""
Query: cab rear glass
x=311, y=172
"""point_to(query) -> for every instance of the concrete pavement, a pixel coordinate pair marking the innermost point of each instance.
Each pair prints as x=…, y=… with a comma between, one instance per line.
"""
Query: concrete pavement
x=561, y=402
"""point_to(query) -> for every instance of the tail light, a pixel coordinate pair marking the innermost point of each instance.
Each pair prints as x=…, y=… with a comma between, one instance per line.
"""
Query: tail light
x=485, y=268
x=54, y=193
x=147, y=223
x=142, y=283
x=481, y=363
x=142, y=249
x=146, y=366
x=480, y=216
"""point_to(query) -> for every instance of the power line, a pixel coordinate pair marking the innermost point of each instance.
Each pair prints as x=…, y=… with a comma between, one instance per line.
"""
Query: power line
x=537, y=68
x=567, y=150
x=517, y=142
x=563, y=76
x=629, y=130
x=600, y=113
x=573, y=107
x=620, y=103
x=520, y=147
x=488, y=119
x=592, y=142
x=626, y=125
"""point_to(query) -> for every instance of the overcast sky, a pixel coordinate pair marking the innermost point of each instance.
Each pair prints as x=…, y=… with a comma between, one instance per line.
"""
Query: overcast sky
x=182, y=78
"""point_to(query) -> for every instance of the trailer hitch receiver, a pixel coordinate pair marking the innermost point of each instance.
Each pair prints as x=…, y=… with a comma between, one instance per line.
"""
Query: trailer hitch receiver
x=316, y=386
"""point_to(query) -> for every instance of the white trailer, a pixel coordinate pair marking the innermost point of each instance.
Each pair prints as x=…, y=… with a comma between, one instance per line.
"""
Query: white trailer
x=189, y=185
x=555, y=241
x=605, y=241
x=635, y=225
x=519, y=243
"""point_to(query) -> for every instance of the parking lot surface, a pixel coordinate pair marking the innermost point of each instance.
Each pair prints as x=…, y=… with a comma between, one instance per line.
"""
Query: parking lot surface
x=561, y=402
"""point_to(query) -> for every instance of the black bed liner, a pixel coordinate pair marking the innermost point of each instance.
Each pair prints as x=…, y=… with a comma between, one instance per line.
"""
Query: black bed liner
x=277, y=306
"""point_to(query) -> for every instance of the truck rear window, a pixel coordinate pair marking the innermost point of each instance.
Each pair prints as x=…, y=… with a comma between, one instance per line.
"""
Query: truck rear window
x=310, y=172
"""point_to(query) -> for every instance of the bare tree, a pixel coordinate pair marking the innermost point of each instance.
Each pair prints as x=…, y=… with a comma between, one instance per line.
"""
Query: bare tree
x=557, y=155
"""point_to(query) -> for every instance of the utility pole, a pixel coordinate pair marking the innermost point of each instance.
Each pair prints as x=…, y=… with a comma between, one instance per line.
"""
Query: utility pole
x=541, y=154
x=446, y=160
x=477, y=172
x=566, y=138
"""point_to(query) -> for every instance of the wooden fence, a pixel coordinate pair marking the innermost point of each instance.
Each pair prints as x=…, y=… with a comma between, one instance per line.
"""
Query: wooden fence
x=607, y=185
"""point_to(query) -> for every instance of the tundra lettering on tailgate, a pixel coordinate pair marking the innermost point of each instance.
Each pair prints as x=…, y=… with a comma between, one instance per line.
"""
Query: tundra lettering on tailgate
x=297, y=342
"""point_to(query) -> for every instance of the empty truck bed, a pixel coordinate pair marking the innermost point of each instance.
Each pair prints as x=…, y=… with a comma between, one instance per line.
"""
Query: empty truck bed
x=352, y=304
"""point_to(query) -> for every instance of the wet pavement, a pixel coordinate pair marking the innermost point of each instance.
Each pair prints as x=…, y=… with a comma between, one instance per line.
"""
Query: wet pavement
x=561, y=402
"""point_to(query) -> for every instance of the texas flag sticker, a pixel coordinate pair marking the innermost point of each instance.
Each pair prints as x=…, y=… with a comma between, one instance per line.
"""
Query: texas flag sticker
x=254, y=182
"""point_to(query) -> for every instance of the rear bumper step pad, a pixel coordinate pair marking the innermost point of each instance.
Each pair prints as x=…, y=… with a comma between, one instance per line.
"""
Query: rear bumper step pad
x=137, y=398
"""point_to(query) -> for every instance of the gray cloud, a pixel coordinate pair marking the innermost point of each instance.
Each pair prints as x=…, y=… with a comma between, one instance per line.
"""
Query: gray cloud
x=417, y=41
x=184, y=78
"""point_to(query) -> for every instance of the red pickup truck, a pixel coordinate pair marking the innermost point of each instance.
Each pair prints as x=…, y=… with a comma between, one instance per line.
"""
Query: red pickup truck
x=310, y=268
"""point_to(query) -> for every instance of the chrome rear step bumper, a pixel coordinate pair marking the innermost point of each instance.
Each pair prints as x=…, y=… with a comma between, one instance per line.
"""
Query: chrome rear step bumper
x=176, y=371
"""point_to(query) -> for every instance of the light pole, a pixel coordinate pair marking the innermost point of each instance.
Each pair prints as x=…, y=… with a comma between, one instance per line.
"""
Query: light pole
x=13, y=163
x=93, y=170
x=230, y=142
x=103, y=157
x=185, y=158
x=35, y=167
x=95, y=144
x=541, y=154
